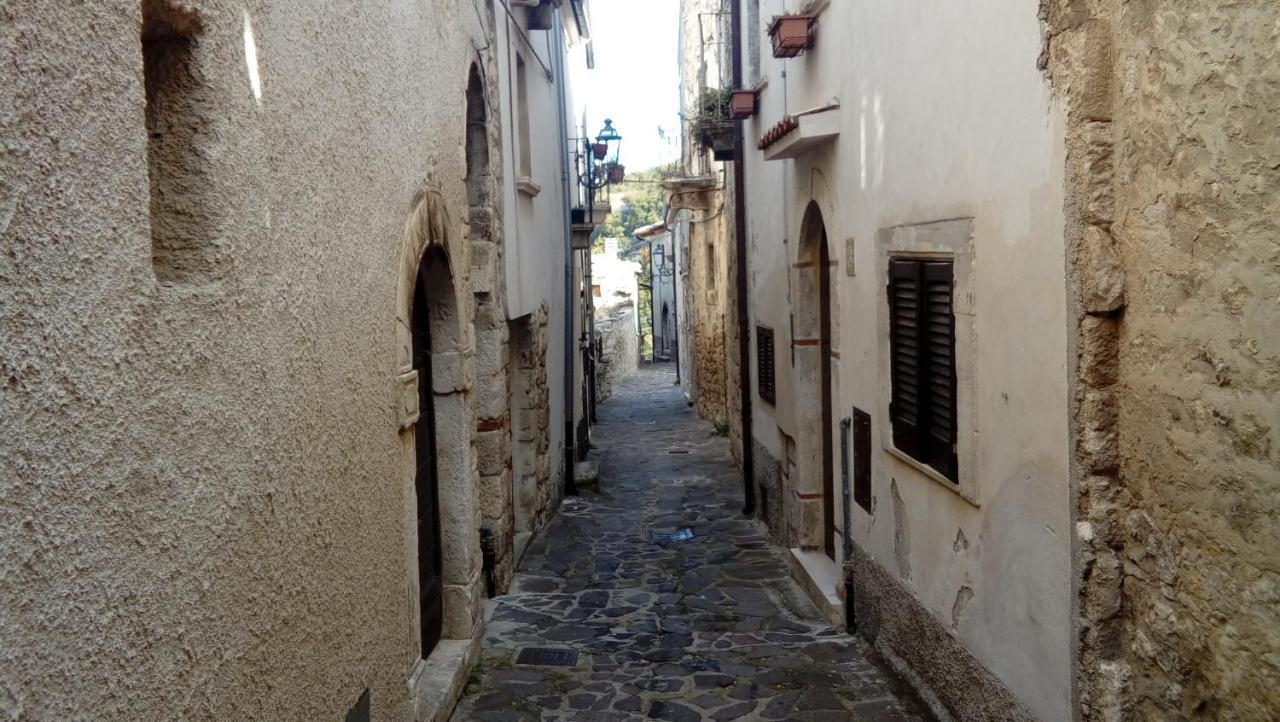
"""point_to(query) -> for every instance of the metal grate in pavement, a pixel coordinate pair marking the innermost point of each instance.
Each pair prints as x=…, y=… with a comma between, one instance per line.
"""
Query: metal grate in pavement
x=548, y=656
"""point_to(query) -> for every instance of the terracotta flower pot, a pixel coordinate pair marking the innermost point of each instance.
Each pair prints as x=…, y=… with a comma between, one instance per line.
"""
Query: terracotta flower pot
x=599, y=150
x=742, y=104
x=792, y=35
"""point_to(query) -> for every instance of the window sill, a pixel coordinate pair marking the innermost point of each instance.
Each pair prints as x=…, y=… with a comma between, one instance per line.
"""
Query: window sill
x=961, y=490
x=525, y=186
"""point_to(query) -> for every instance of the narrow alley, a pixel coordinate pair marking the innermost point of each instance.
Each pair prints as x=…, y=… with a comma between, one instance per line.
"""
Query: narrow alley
x=708, y=628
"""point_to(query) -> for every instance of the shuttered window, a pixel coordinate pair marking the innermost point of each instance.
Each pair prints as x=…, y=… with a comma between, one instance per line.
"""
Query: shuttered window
x=764, y=365
x=922, y=343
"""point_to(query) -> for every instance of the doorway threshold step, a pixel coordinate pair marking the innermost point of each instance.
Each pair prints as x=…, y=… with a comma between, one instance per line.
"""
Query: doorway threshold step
x=819, y=576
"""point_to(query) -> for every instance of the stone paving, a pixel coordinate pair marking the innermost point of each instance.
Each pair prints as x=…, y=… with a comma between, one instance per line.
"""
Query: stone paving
x=711, y=628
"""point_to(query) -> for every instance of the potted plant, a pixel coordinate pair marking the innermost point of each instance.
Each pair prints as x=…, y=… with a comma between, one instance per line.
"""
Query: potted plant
x=617, y=172
x=742, y=104
x=599, y=150
x=710, y=124
x=791, y=34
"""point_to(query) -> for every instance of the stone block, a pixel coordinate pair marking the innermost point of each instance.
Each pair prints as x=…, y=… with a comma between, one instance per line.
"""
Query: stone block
x=1093, y=81
x=1102, y=277
x=408, y=411
x=462, y=609
x=1081, y=61
x=1099, y=449
x=495, y=495
x=493, y=452
x=1097, y=172
x=1098, y=351
x=452, y=371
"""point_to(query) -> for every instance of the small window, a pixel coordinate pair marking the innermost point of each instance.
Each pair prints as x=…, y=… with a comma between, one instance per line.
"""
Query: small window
x=765, y=385
x=522, y=99
x=862, y=459
x=711, y=267
x=595, y=290
x=922, y=342
x=177, y=120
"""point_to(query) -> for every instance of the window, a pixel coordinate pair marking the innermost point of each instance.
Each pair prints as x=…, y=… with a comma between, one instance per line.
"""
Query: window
x=765, y=385
x=711, y=267
x=522, y=99
x=183, y=226
x=922, y=363
x=862, y=459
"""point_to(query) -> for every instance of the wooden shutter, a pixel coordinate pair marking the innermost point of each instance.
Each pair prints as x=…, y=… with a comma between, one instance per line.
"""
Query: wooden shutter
x=904, y=355
x=862, y=459
x=940, y=379
x=922, y=343
x=765, y=383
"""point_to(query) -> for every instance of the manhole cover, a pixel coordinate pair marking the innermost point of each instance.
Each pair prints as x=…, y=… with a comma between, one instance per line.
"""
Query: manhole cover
x=548, y=657
x=677, y=535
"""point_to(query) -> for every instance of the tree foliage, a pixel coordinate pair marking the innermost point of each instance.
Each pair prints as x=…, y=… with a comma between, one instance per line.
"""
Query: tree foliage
x=637, y=202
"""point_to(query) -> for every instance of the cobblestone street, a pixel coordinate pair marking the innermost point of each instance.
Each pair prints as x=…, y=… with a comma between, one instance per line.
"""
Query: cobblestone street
x=710, y=628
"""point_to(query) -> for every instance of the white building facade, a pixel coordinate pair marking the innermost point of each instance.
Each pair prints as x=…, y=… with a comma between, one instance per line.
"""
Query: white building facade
x=911, y=158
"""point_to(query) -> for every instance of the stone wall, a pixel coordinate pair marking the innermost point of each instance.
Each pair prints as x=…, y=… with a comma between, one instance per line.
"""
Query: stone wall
x=493, y=366
x=619, y=344
x=706, y=290
x=1172, y=209
x=535, y=496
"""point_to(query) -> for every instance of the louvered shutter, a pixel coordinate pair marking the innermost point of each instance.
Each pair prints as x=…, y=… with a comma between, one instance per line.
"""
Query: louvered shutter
x=940, y=369
x=765, y=382
x=905, y=346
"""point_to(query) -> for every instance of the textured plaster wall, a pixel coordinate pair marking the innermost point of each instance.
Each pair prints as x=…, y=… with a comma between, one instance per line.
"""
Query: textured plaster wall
x=202, y=511
x=939, y=120
x=1174, y=109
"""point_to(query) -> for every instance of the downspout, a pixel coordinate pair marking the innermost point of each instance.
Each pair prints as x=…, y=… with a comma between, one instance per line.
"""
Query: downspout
x=570, y=329
x=740, y=248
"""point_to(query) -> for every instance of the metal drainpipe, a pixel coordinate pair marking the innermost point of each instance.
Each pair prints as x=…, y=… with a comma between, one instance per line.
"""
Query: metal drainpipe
x=850, y=616
x=570, y=329
x=740, y=248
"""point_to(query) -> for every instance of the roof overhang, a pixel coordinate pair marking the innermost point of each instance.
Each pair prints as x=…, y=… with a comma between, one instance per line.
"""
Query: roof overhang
x=814, y=129
x=652, y=230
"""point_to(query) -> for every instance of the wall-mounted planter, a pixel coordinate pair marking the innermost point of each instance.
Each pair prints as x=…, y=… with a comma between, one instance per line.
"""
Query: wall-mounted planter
x=742, y=104
x=720, y=141
x=791, y=34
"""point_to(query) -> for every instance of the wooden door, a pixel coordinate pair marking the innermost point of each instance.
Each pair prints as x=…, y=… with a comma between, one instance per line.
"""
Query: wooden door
x=828, y=461
x=426, y=482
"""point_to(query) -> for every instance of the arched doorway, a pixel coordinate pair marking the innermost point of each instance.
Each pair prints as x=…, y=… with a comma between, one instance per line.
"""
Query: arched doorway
x=426, y=468
x=815, y=332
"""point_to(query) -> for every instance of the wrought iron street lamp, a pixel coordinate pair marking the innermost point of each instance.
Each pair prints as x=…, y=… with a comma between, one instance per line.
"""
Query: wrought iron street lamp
x=602, y=156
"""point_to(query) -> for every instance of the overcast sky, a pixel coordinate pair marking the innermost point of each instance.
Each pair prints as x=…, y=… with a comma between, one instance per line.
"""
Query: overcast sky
x=635, y=81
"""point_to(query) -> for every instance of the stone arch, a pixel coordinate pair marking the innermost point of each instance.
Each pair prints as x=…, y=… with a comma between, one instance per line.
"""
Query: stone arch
x=815, y=339
x=428, y=252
